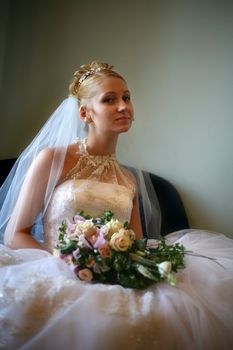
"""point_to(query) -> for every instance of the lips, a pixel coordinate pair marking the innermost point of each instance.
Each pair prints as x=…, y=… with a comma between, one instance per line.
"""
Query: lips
x=123, y=118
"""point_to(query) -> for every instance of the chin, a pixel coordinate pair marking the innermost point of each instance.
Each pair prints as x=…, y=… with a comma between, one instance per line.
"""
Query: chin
x=122, y=130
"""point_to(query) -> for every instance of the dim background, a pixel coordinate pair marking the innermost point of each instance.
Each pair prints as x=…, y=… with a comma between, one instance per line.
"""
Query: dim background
x=177, y=57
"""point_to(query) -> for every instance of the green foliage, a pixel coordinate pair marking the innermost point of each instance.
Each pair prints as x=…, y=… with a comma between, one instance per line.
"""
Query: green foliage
x=138, y=267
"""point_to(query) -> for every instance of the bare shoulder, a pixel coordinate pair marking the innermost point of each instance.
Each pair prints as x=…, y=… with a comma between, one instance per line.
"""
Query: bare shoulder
x=57, y=156
x=44, y=158
x=57, y=153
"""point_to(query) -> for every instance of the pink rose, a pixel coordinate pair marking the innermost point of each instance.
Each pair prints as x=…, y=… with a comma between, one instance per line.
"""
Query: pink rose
x=90, y=262
x=85, y=275
x=104, y=251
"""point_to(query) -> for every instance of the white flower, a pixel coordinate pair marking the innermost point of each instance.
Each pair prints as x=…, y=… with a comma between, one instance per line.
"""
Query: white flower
x=121, y=241
x=164, y=268
x=56, y=253
x=152, y=243
x=71, y=237
x=68, y=259
x=87, y=228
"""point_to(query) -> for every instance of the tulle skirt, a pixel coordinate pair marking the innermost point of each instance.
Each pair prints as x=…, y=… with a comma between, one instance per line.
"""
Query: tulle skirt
x=44, y=306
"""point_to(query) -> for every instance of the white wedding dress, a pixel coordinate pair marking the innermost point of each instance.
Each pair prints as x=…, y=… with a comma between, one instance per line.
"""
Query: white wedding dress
x=43, y=305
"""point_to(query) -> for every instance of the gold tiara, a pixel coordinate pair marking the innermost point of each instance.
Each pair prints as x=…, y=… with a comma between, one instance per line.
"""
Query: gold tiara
x=88, y=73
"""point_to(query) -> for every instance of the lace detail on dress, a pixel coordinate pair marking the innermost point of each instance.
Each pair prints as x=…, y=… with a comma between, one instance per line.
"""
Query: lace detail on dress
x=94, y=184
x=34, y=297
x=101, y=168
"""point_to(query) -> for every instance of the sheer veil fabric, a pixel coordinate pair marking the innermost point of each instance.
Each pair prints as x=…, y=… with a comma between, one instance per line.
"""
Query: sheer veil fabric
x=57, y=133
x=61, y=129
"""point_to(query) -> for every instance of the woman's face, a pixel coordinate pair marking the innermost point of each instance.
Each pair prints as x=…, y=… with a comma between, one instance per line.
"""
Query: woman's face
x=110, y=110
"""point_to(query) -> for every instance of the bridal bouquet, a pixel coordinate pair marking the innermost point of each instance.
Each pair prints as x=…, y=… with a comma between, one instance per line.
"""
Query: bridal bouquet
x=105, y=250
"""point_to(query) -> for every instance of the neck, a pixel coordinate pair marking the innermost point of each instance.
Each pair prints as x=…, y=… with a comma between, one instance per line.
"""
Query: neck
x=101, y=145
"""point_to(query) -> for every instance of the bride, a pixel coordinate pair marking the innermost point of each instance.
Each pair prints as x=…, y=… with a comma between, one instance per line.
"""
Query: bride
x=43, y=305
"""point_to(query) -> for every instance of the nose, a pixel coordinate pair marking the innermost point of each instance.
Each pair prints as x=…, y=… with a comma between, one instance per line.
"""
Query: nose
x=122, y=106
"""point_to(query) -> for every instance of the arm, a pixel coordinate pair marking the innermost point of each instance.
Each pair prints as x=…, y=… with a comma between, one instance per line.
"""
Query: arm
x=30, y=202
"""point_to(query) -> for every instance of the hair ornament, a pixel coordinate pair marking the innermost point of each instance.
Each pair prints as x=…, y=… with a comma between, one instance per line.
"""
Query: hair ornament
x=88, y=73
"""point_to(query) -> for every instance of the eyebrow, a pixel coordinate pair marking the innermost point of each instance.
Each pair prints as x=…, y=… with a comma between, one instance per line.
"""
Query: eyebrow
x=114, y=92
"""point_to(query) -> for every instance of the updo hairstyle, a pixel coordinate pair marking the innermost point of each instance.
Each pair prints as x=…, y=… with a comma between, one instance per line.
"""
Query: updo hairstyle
x=88, y=77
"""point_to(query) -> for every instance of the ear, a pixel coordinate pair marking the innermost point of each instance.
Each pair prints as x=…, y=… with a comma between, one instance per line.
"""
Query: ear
x=84, y=115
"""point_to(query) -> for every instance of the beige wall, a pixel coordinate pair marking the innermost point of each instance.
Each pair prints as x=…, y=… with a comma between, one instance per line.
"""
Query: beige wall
x=177, y=57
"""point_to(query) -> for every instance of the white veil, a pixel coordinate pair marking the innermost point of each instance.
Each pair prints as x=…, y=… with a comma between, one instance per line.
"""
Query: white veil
x=61, y=129
x=58, y=132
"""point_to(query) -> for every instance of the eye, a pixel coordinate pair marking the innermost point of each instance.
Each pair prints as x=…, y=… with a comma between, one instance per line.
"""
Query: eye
x=126, y=98
x=109, y=100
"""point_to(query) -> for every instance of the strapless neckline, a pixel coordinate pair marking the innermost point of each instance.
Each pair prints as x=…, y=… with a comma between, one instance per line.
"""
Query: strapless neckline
x=93, y=197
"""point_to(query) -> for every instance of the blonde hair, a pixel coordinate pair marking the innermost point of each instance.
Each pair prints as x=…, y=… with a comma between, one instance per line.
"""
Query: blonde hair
x=87, y=77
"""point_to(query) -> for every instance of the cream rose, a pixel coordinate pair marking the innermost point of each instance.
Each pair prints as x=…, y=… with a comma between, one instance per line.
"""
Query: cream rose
x=85, y=275
x=113, y=226
x=73, y=236
x=87, y=228
x=121, y=241
x=164, y=268
x=56, y=253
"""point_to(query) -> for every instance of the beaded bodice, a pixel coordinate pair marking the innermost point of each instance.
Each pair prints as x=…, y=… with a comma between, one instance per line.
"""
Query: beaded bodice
x=102, y=168
x=94, y=184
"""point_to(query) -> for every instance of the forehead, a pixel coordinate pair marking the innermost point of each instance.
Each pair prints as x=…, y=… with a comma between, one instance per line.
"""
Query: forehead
x=110, y=84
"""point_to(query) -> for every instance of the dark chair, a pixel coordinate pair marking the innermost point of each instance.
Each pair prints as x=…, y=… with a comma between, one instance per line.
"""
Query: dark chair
x=5, y=167
x=173, y=214
x=172, y=210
